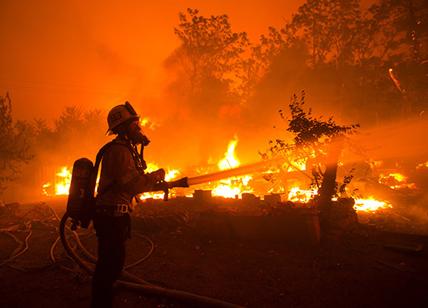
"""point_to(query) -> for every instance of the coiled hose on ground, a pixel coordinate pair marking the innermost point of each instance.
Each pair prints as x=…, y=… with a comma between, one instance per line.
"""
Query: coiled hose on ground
x=134, y=283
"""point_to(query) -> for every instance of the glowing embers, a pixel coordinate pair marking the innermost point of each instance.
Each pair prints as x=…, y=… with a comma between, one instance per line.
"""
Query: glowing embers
x=61, y=185
x=396, y=180
x=371, y=205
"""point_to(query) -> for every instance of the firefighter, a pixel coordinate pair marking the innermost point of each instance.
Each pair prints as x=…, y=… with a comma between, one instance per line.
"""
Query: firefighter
x=122, y=178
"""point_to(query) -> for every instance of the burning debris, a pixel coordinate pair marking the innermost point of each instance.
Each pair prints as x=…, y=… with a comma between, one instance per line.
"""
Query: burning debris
x=284, y=178
x=293, y=173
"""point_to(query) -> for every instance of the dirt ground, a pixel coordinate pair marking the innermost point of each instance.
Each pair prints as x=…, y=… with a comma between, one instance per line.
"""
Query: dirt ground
x=363, y=268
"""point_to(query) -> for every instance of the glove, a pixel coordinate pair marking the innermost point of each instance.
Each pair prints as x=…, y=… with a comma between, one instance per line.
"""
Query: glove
x=158, y=175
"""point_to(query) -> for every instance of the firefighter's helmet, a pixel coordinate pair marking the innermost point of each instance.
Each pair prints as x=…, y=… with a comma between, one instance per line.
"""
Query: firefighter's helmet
x=121, y=114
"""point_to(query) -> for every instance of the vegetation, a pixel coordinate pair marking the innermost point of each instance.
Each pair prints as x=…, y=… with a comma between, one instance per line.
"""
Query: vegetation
x=208, y=62
x=369, y=63
x=43, y=149
x=14, y=145
x=317, y=145
x=333, y=48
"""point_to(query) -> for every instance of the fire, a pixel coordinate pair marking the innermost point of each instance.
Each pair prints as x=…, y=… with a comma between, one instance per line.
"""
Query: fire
x=170, y=174
x=396, y=180
x=61, y=184
x=233, y=187
x=370, y=205
x=229, y=160
x=148, y=123
x=301, y=195
x=226, y=191
x=398, y=177
x=297, y=164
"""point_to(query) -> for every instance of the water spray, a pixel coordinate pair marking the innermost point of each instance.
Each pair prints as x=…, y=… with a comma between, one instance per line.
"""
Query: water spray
x=238, y=171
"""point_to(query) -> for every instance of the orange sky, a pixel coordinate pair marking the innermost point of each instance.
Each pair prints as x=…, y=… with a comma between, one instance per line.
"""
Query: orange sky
x=95, y=55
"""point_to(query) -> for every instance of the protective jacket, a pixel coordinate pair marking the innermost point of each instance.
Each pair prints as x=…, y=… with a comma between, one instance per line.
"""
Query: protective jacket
x=122, y=175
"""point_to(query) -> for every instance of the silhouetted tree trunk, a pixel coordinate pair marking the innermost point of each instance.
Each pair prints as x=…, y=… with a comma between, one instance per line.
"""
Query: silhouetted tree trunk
x=328, y=185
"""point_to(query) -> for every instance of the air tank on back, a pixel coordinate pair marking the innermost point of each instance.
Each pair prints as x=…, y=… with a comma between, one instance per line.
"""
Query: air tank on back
x=81, y=194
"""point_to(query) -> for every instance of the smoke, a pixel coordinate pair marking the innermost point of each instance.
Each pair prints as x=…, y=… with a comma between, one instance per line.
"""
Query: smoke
x=76, y=133
x=193, y=130
x=400, y=140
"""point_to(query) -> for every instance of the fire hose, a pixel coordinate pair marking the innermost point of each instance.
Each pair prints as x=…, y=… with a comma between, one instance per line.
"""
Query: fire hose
x=132, y=282
x=22, y=246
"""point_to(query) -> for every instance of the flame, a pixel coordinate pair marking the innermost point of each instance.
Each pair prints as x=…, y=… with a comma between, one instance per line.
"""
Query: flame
x=226, y=190
x=61, y=184
x=151, y=195
x=370, y=205
x=396, y=180
x=229, y=160
x=236, y=186
x=170, y=174
x=63, y=179
x=148, y=123
x=398, y=177
x=233, y=187
x=297, y=194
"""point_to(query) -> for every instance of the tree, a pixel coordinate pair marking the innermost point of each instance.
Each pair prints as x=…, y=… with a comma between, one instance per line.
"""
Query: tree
x=402, y=38
x=350, y=52
x=14, y=143
x=402, y=29
x=329, y=28
x=315, y=139
x=209, y=61
x=263, y=54
x=74, y=133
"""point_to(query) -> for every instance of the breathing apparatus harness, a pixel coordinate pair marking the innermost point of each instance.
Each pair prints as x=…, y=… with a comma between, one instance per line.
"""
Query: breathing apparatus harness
x=138, y=157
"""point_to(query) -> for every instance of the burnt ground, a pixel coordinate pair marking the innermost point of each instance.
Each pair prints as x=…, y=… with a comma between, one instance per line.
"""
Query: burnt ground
x=203, y=254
